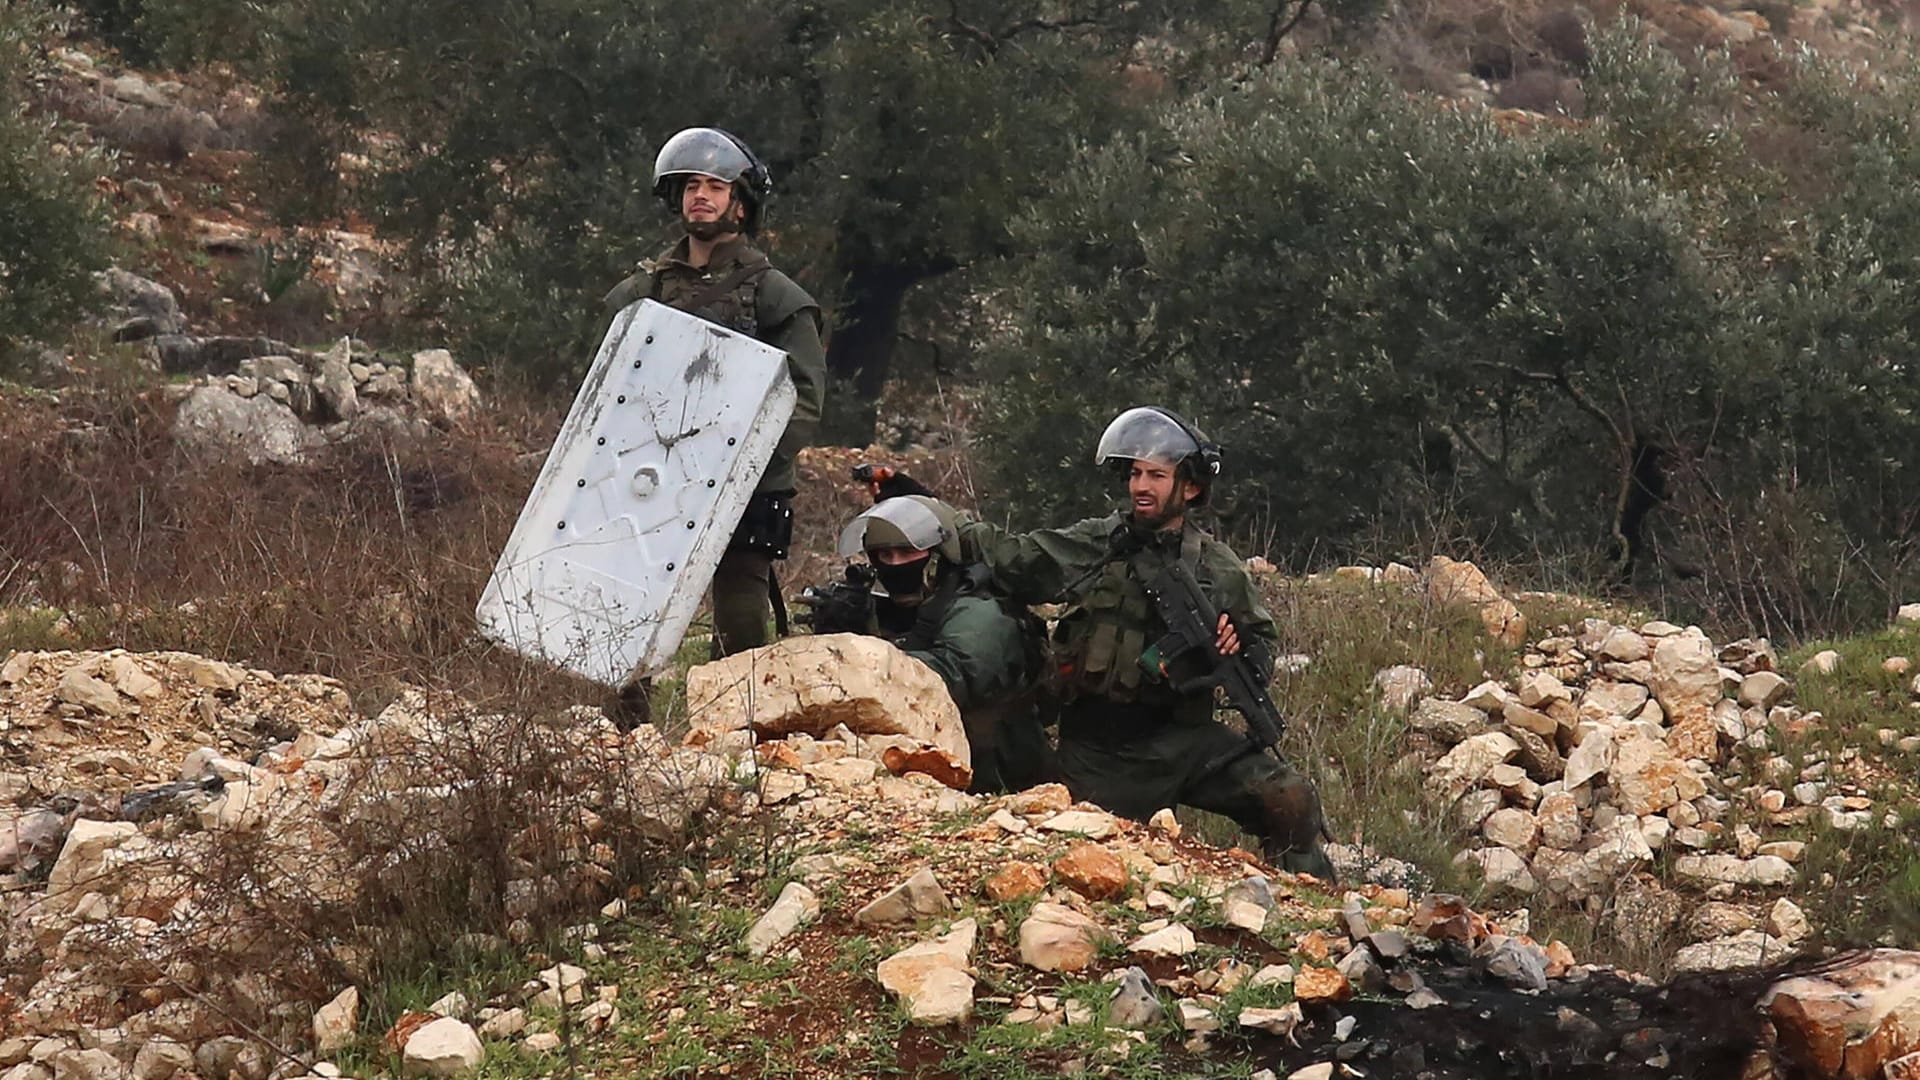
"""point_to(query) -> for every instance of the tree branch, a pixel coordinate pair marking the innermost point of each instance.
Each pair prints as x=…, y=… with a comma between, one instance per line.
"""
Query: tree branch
x=1473, y=446
x=1278, y=30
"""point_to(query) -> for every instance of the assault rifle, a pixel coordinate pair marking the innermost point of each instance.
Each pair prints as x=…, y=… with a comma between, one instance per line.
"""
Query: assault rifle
x=845, y=606
x=1188, y=660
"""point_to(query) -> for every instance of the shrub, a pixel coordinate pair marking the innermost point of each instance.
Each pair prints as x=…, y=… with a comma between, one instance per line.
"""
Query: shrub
x=52, y=227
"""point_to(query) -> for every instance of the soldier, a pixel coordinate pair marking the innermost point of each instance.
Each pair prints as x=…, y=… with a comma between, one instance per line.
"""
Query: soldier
x=1128, y=741
x=719, y=189
x=939, y=610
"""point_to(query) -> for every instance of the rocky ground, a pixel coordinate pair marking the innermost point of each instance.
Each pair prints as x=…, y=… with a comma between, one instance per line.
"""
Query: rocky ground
x=191, y=848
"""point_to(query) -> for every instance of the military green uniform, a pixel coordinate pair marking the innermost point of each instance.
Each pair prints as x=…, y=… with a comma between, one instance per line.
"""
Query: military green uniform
x=981, y=650
x=766, y=304
x=1128, y=742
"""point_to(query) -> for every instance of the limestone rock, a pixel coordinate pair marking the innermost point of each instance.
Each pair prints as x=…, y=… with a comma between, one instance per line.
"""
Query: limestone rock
x=1732, y=870
x=1593, y=757
x=1514, y=962
x=1824, y=662
x=504, y=1024
x=795, y=907
x=1135, y=1006
x=1447, y=721
x=1450, y=582
x=1057, y=938
x=215, y=423
x=95, y=1064
x=1474, y=808
x=913, y=900
x=1715, y=919
x=1092, y=824
x=444, y=1047
x=932, y=978
x=1624, y=646
x=444, y=392
x=84, y=861
x=162, y=1059
x=817, y=682
x=144, y=308
x=1467, y=764
x=1015, y=880
x=1318, y=985
x=1174, y=940
x=1503, y=868
x=1854, y=1015
x=1647, y=778
x=1540, y=690
x=1489, y=697
x=1092, y=871
x=335, y=1022
x=1686, y=682
x=1279, y=1021
x=1195, y=1017
x=132, y=680
x=1046, y=799
x=1558, y=816
x=1400, y=686
x=1787, y=922
x=79, y=688
x=1763, y=690
x=335, y=383
x=1512, y=828
x=1604, y=700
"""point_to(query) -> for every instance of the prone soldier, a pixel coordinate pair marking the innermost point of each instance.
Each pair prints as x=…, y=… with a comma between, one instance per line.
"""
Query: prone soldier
x=918, y=592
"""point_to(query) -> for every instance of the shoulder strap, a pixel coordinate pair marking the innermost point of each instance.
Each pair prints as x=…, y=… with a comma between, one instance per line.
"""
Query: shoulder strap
x=740, y=276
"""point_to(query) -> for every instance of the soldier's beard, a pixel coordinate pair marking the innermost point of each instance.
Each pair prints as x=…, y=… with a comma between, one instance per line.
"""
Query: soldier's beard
x=711, y=230
x=1163, y=514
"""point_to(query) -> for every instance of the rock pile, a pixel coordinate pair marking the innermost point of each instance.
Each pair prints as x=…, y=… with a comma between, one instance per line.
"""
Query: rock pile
x=1617, y=743
x=280, y=404
x=203, y=832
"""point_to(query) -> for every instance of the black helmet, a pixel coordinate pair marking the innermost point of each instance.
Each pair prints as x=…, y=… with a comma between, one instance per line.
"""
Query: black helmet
x=711, y=152
x=1151, y=433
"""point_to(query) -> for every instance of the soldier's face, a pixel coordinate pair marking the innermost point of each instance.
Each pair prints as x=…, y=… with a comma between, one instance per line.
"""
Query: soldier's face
x=1158, y=496
x=896, y=556
x=706, y=200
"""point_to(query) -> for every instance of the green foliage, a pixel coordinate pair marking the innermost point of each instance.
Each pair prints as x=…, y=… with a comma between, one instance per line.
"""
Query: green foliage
x=1411, y=326
x=1327, y=274
x=52, y=230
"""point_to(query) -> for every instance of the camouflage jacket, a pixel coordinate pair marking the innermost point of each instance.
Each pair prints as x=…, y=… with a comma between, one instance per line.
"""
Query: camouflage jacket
x=770, y=307
x=1099, y=568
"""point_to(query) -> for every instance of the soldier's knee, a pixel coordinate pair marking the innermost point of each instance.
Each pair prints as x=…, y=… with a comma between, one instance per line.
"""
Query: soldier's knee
x=1291, y=807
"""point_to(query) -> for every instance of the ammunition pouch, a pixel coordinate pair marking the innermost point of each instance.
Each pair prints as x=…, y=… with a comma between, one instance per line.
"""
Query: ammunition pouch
x=767, y=524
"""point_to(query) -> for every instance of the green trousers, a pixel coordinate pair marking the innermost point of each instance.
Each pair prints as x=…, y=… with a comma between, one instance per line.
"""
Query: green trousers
x=740, y=605
x=1132, y=762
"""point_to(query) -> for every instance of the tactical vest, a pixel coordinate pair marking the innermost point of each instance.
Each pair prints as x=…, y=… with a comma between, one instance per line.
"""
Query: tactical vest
x=1101, y=638
x=737, y=309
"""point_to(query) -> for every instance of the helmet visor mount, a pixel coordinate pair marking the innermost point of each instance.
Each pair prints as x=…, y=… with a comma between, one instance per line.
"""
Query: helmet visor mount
x=902, y=522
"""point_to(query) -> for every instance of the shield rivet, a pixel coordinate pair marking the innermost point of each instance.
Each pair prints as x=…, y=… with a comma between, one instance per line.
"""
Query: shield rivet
x=730, y=442
x=621, y=400
x=582, y=482
x=690, y=524
x=563, y=525
x=669, y=566
x=649, y=341
x=601, y=441
x=710, y=483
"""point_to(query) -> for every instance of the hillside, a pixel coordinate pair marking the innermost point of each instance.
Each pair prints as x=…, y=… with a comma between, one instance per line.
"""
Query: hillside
x=271, y=809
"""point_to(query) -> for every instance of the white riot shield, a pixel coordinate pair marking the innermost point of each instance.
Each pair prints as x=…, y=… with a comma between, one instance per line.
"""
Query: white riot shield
x=640, y=495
